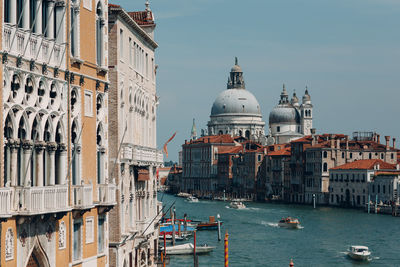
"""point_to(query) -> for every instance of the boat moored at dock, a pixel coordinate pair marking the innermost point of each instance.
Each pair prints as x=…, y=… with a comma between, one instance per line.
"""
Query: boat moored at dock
x=188, y=249
x=237, y=205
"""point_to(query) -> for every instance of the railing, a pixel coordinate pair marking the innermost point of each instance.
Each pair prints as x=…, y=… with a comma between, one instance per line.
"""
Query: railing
x=106, y=193
x=32, y=46
x=141, y=154
x=82, y=196
x=38, y=200
x=5, y=202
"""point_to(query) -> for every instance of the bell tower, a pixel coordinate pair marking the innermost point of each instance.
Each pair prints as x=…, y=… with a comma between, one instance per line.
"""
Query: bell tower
x=306, y=110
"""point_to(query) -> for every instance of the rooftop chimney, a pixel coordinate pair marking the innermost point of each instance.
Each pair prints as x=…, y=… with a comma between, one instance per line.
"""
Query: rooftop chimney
x=394, y=142
x=387, y=138
x=378, y=138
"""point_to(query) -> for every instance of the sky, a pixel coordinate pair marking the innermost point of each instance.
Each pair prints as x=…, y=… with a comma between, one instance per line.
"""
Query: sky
x=346, y=51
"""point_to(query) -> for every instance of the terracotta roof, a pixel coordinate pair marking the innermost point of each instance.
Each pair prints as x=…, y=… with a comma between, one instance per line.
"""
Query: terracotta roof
x=279, y=150
x=366, y=164
x=142, y=18
x=229, y=150
x=224, y=138
x=112, y=5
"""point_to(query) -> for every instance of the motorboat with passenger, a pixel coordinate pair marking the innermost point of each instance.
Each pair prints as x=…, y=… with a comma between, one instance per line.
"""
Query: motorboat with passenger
x=237, y=205
x=192, y=199
x=360, y=253
x=289, y=222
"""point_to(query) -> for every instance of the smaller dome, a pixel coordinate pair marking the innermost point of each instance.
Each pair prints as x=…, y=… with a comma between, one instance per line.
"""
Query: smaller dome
x=284, y=114
x=306, y=97
x=236, y=68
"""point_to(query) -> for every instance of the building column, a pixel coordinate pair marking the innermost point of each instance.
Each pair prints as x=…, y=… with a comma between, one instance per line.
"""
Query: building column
x=40, y=146
x=60, y=18
x=14, y=144
x=38, y=9
x=50, y=22
x=50, y=177
x=25, y=15
x=26, y=175
x=13, y=12
x=61, y=172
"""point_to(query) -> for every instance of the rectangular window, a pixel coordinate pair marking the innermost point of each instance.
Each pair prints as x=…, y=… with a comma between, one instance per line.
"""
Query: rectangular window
x=88, y=103
x=77, y=246
x=89, y=230
x=152, y=69
x=147, y=65
x=121, y=43
x=100, y=234
x=130, y=51
x=134, y=55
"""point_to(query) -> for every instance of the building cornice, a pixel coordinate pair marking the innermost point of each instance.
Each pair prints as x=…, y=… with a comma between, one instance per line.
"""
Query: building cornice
x=120, y=12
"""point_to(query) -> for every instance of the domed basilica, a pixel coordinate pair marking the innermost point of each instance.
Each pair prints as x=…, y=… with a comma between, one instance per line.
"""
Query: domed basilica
x=290, y=120
x=236, y=111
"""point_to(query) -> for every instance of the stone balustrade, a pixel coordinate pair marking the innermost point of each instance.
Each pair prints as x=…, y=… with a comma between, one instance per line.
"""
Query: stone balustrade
x=140, y=154
x=5, y=202
x=82, y=196
x=19, y=42
x=40, y=199
x=107, y=194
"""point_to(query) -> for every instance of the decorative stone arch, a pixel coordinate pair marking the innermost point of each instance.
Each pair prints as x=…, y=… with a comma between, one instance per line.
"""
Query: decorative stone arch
x=9, y=125
x=48, y=133
x=59, y=134
x=75, y=129
x=100, y=135
x=23, y=131
x=38, y=256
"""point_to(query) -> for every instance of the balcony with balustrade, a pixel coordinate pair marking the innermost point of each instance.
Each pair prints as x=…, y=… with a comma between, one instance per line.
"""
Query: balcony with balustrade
x=141, y=155
x=22, y=43
x=28, y=201
x=106, y=195
x=82, y=197
x=5, y=202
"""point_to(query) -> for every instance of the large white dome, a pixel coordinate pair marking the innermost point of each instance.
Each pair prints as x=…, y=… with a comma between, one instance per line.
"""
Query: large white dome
x=235, y=101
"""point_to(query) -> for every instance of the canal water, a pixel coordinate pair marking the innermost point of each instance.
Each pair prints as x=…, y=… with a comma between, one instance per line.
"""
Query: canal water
x=256, y=240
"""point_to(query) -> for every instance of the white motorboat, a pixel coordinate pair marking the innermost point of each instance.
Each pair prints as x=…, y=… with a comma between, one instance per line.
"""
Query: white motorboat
x=360, y=253
x=192, y=199
x=187, y=249
x=289, y=222
x=237, y=205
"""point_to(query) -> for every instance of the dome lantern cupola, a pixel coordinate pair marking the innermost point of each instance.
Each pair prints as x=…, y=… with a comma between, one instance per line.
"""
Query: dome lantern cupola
x=295, y=100
x=284, y=96
x=235, y=81
x=306, y=97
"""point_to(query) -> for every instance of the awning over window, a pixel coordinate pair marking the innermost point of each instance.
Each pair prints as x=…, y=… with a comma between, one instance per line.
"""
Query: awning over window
x=143, y=175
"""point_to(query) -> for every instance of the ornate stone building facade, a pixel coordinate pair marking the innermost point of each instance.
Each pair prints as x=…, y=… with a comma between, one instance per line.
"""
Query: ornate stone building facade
x=54, y=193
x=133, y=154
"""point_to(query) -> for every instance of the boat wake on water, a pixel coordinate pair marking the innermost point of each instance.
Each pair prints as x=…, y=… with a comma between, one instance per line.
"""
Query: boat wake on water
x=271, y=224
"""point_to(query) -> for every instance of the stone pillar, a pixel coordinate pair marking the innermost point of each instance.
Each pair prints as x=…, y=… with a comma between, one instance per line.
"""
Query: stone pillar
x=50, y=177
x=14, y=144
x=38, y=8
x=13, y=12
x=50, y=22
x=60, y=17
x=26, y=15
x=61, y=171
x=40, y=146
x=26, y=174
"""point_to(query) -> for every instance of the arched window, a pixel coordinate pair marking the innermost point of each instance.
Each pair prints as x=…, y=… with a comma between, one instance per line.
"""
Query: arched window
x=99, y=34
x=325, y=167
x=325, y=154
x=247, y=134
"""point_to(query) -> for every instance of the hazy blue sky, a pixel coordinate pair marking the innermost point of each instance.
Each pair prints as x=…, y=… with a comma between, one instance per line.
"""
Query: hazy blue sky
x=346, y=51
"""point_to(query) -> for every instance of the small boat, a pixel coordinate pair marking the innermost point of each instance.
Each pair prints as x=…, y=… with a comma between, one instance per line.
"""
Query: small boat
x=192, y=199
x=187, y=249
x=289, y=222
x=360, y=253
x=182, y=237
x=210, y=225
x=237, y=205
